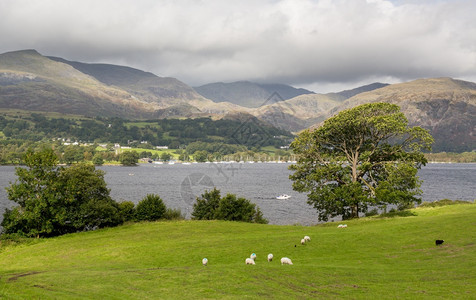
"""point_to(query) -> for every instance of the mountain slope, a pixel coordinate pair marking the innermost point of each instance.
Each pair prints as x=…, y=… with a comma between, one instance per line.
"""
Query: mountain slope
x=31, y=81
x=248, y=94
x=445, y=106
x=144, y=85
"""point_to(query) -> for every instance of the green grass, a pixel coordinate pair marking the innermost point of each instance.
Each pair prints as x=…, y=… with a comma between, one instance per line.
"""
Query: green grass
x=373, y=258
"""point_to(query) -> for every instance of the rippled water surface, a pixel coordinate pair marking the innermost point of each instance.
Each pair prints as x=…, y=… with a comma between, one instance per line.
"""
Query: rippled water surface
x=178, y=185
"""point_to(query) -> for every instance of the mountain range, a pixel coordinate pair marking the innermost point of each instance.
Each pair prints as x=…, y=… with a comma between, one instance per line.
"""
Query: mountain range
x=33, y=82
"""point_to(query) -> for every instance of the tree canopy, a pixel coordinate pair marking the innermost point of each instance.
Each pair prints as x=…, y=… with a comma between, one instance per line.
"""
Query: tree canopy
x=211, y=206
x=54, y=200
x=364, y=156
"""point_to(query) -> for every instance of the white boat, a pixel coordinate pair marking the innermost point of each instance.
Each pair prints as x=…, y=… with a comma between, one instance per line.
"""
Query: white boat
x=283, y=197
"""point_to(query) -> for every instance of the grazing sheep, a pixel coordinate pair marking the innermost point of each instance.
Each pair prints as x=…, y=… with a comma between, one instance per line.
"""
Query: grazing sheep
x=250, y=261
x=253, y=256
x=439, y=242
x=286, y=261
x=307, y=238
x=205, y=261
x=270, y=257
x=342, y=226
x=303, y=241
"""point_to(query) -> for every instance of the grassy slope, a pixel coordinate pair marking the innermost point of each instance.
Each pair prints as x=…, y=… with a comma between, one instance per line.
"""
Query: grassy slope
x=372, y=258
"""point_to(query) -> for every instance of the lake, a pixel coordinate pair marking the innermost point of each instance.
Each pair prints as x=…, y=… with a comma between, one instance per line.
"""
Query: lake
x=178, y=185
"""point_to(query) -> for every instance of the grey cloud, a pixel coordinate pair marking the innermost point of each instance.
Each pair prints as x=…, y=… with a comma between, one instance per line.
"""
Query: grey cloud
x=300, y=42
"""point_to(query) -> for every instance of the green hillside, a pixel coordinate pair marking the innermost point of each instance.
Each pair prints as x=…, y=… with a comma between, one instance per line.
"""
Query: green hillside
x=373, y=258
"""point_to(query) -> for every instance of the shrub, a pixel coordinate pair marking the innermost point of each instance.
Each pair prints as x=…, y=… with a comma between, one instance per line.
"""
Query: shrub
x=127, y=210
x=173, y=214
x=54, y=200
x=206, y=205
x=443, y=202
x=151, y=208
x=372, y=212
x=129, y=158
x=210, y=206
x=231, y=208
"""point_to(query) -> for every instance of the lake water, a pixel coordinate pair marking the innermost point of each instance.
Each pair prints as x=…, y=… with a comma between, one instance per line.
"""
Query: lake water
x=178, y=185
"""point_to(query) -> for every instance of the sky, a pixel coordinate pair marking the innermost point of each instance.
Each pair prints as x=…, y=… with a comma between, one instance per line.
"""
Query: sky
x=321, y=45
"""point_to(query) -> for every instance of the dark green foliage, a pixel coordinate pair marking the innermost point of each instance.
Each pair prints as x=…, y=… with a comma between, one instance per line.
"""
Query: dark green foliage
x=151, y=208
x=200, y=156
x=129, y=158
x=164, y=132
x=211, y=207
x=55, y=200
x=444, y=202
x=127, y=210
x=364, y=156
x=98, y=160
x=173, y=214
x=372, y=212
x=205, y=207
x=231, y=208
x=165, y=156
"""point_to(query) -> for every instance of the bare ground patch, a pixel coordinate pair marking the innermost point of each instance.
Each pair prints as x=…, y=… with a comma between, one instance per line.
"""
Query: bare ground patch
x=15, y=277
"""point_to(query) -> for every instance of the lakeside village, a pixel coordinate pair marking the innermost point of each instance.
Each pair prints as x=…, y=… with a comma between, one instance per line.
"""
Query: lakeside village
x=164, y=155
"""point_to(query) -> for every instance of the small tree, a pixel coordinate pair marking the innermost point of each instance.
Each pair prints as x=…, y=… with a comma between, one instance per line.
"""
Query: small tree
x=151, y=208
x=98, y=160
x=129, y=158
x=364, y=156
x=211, y=207
x=200, y=155
x=232, y=208
x=165, y=156
x=206, y=205
x=54, y=200
x=127, y=210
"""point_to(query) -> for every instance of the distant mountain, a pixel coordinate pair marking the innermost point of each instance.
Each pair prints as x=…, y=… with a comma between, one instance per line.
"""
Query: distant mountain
x=31, y=81
x=305, y=110
x=445, y=106
x=366, y=88
x=144, y=85
x=248, y=94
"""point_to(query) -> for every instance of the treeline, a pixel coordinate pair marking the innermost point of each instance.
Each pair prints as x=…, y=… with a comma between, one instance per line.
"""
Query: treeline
x=174, y=133
x=450, y=157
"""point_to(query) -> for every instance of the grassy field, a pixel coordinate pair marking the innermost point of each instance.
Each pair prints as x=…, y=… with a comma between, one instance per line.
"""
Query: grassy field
x=373, y=258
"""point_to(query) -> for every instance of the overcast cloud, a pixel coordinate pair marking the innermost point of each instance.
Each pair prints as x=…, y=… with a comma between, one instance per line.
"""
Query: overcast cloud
x=324, y=45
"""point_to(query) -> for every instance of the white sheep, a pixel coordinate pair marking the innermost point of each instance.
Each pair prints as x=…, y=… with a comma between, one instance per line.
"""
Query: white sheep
x=253, y=256
x=286, y=261
x=307, y=238
x=250, y=261
x=303, y=241
x=205, y=261
x=270, y=257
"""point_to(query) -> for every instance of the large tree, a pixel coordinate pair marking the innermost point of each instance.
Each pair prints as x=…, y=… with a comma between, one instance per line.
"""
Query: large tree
x=362, y=157
x=54, y=200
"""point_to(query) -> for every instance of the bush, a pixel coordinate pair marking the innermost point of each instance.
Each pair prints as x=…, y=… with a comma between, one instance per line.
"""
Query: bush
x=129, y=158
x=173, y=214
x=372, y=212
x=127, y=210
x=444, y=202
x=211, y=207
x=206, y=205
x=151, y=208
x=54, y=200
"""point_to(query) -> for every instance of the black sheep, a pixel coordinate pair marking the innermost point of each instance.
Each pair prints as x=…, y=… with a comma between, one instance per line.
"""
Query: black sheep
x=438, y=242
